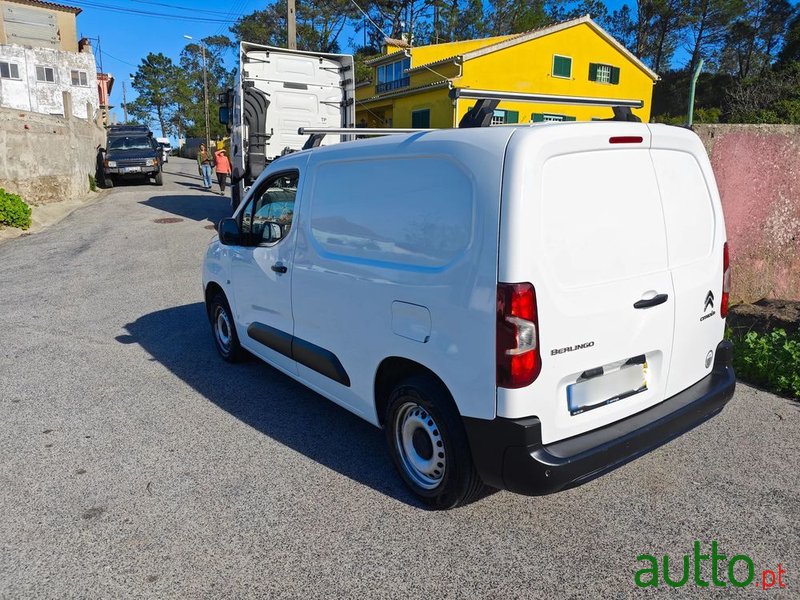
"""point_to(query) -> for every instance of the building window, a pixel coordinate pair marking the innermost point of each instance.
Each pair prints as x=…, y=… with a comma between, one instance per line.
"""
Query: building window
x=46, y=74
x=421, y=119
x=562, y=66
x=9, y=70
x=392, y=76
x=603, y=73
x=79, y=78
x=549, y=118
x=505, y=117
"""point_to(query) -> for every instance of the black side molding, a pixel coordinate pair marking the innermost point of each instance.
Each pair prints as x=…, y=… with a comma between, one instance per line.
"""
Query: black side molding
x=307, y=354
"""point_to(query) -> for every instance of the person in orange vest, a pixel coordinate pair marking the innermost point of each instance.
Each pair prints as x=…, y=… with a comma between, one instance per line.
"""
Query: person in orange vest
x=223, y=167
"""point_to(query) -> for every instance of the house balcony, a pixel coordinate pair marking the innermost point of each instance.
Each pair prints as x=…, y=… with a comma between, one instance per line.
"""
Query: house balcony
x=392, y=85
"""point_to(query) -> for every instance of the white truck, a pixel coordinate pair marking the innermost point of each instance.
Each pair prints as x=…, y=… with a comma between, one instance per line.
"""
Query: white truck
x=276, y=92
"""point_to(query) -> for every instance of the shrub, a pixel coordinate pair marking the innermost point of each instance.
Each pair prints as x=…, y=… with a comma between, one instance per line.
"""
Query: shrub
x=92, y=183
x=771, y=360
x=13, y=211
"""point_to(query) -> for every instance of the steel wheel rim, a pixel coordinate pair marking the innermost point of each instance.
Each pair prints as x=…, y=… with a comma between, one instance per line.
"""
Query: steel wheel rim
x=414, y=429
x=222, y=330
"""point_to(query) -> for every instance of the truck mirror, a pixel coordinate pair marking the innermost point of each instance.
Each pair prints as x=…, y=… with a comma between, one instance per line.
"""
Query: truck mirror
x=223, y=115
x=229, y=233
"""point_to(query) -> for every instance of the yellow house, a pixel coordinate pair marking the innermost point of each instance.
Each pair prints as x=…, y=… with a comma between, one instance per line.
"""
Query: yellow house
x=411, y=87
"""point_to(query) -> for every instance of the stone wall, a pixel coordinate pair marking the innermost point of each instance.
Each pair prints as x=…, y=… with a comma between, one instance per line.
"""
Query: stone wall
x=757, y=168
x=46, y=158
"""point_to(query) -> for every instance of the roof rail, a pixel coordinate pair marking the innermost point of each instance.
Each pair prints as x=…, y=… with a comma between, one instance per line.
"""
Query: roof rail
x=317, y=134
x=482, y=115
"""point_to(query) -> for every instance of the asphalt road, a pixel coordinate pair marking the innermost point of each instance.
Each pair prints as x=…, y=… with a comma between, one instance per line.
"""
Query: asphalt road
x=135, y=463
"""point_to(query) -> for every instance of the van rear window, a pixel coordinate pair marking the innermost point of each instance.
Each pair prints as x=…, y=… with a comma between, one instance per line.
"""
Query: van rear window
x=416, y=212
x=601, y=217
x=688, y=211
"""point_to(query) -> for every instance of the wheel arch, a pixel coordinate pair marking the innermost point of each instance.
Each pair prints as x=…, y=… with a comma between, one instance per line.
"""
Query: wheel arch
x=212, y=287
x=394, y=369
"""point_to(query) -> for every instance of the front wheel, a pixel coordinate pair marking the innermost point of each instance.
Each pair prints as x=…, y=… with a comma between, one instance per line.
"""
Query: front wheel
x=223, y=329
x=428, y=444
x=159, y=178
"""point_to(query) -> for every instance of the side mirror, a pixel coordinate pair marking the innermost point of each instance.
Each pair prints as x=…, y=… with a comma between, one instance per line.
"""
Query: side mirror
x=103, y=150
x=229, y=233
x=223, y=115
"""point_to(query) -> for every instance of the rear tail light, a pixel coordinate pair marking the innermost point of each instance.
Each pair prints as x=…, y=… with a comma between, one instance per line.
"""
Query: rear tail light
x=726, y=282
x=518, y=358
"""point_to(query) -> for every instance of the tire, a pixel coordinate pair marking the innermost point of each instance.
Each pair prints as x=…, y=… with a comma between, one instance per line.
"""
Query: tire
x=108, y=182
x=223, y=329
x=236, y=196
x=159, y=178
x=428, y=444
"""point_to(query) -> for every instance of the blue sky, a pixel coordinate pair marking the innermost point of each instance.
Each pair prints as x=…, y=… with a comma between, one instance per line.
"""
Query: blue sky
x=126, y=37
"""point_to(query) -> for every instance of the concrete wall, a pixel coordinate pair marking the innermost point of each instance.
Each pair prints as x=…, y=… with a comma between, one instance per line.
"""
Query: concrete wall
x=26, y=93
x=46, y=158
x=757, y=168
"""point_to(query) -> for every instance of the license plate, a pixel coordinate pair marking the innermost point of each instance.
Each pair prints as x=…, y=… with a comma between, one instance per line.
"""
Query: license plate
x=607, y=388
x=132, y=169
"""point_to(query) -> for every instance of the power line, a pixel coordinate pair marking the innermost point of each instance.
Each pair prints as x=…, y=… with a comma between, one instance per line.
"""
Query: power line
x=374, y=24
x=149, y=13
x=177, y=7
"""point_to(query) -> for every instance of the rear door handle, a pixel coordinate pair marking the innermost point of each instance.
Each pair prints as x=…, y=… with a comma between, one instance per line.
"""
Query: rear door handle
x=654, y=301
x=279, y=268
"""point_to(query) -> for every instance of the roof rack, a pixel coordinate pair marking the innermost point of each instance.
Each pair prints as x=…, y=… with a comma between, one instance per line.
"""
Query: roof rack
x=480, y=115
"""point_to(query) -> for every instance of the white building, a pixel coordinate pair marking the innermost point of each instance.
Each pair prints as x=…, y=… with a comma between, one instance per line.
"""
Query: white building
x=41, y=60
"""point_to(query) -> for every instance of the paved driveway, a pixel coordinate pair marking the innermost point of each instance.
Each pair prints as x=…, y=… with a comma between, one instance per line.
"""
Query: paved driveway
x=134, y=462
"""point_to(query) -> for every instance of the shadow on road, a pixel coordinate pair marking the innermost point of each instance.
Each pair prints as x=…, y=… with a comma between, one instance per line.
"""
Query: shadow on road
x=211, y=208
x=265, y=399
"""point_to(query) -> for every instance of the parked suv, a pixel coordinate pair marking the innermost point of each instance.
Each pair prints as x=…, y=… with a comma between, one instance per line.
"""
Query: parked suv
x=131, y=152
x=524, y=307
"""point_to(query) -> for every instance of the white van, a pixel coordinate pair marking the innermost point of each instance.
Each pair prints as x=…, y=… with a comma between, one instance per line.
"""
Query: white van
x=523, y=307
x=166, y=148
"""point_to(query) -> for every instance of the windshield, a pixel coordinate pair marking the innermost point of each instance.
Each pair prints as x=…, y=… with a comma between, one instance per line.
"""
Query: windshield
x=130, y=143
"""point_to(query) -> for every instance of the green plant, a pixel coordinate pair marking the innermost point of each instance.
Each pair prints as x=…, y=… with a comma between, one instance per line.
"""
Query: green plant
x=771, y=360
x=92, y=183
x=13, y=211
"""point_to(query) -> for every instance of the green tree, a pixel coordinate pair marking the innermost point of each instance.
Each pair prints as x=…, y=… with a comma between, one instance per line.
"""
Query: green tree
x=319, y=24
x=155, y=83
x=190, y=116
x=706, y=25
x=753, y=40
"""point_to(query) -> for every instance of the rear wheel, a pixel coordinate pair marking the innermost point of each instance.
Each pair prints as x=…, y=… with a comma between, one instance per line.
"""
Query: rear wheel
x=223, y=329
x=428, y=445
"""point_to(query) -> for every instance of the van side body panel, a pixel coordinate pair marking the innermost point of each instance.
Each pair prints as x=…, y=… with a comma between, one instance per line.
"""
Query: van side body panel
x=397, y=256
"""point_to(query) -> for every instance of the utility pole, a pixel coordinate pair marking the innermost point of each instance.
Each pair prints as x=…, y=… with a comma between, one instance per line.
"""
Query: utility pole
x=124, y=104
x=205, y=90
x=291, y=26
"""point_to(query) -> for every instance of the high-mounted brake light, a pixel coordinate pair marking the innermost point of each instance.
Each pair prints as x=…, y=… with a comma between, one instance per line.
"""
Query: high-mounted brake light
x=626, y=139
x=726, y=282
x=517, y=352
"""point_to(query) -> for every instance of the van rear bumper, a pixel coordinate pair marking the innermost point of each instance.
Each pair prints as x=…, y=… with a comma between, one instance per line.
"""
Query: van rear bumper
x=509, y=453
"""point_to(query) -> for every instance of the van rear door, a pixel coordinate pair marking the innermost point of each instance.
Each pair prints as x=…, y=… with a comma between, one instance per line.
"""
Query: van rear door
x=582, y=221
x=695, y=239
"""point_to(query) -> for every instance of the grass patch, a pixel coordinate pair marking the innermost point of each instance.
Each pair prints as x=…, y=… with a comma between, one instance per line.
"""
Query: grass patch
x=92, y=183
x=771, y=360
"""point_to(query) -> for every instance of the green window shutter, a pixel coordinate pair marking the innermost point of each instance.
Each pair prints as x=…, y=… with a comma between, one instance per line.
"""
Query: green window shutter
x=537, y=117
x=592, y=71
x=568, y=118
x=615, y=75
x=421, y=119
x=512, y=116
x=562, y=66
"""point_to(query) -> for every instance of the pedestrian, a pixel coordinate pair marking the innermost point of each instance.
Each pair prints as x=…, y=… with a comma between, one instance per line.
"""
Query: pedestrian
x=223, y=167
x=204, y=164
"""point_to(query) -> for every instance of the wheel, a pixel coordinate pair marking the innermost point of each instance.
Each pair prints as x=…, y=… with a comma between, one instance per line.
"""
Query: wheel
x=223, y=329
x=159, y=178
x=428, y=445
x=108, y=182
x=236, y=196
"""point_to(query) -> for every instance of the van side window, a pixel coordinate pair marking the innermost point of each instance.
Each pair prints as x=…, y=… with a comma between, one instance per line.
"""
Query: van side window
x=269, y=213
